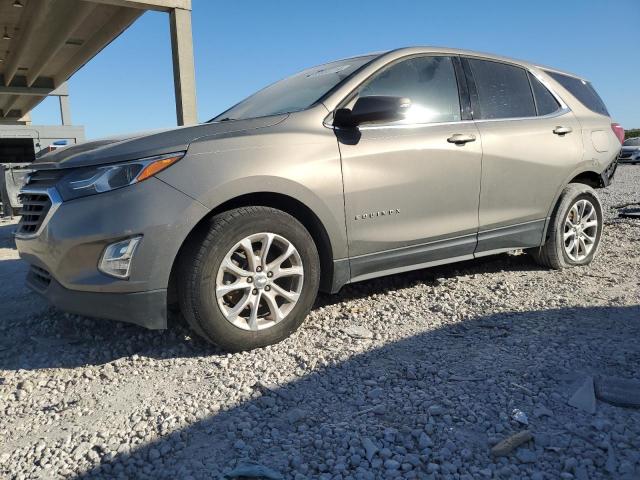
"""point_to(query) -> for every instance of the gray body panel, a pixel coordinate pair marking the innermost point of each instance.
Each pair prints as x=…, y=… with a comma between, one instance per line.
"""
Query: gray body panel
x=410, y=173
x=131, y=147
x=389, y=198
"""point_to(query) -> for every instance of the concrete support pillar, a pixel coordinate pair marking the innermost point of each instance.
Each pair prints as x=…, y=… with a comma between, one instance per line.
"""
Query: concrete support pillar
x=183, y=66
x=65, y=110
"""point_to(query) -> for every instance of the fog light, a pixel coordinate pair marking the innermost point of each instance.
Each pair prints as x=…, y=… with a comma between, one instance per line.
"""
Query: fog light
x=116, y=259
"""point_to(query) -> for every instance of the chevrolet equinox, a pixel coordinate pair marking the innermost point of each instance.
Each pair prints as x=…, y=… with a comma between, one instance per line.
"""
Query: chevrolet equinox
x=351, y=170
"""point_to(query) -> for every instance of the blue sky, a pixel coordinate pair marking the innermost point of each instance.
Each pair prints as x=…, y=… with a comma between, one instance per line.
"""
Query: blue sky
x=240, y=46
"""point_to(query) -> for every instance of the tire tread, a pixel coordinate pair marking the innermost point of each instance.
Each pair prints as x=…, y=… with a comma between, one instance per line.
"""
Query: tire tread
x=193, y=260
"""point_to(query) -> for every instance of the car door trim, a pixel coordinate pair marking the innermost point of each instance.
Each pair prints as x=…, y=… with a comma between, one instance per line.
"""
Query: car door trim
x=412, y=257
x=502, y=239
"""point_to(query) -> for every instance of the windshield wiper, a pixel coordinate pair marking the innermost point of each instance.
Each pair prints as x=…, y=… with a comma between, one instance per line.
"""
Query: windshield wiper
x=225, y=119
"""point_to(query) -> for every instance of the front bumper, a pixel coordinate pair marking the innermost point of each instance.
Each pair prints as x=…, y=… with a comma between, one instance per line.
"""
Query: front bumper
x=68, y=248
x=146, y=309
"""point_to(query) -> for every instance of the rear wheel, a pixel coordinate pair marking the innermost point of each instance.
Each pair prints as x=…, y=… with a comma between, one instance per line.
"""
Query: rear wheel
x=250, y=280
x=575, y=227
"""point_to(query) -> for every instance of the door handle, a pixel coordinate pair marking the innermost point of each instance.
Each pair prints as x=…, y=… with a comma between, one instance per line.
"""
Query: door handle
x=562, y=130
x=461, y=138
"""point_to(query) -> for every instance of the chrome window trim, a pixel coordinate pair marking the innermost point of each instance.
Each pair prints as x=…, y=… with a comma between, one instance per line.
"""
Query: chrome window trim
x=412, y=125
x=557, y=113
x=56, y=201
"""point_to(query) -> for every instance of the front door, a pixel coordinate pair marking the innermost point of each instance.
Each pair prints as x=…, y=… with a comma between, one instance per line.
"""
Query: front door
x=412, y=186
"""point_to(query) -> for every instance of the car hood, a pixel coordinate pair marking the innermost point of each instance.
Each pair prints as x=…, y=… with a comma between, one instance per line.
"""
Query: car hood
x=146, y=144
x=631, y=149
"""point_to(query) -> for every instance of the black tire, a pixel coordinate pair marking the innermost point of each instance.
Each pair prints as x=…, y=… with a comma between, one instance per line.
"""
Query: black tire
x=552, y=254
x=202, y=259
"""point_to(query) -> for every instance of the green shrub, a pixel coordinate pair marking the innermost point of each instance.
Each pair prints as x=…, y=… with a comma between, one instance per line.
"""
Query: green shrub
x=635, y=132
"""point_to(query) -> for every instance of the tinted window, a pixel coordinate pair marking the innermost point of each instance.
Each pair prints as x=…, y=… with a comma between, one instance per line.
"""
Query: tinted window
x=545, y=102
x=503, y=90
x=632, y=142
x=583, y=91
x=430, y=84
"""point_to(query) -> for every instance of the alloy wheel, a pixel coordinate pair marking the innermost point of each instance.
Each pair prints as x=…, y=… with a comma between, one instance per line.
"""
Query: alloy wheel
x=580, y=230
x=259, y=281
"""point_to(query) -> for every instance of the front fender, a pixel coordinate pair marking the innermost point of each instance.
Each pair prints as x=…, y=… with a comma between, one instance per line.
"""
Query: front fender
x=306, y=167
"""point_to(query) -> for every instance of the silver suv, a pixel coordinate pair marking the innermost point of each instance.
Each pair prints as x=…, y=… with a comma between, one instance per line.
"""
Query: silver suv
x=630, y=152
x=347, y=171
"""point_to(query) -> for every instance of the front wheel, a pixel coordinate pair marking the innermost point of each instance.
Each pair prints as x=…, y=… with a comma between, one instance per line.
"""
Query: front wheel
x=575, y=228
x=250, y=279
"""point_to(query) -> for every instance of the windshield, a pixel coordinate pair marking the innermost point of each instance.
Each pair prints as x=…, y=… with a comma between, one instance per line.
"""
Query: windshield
x=295, y=93
x=632, y=142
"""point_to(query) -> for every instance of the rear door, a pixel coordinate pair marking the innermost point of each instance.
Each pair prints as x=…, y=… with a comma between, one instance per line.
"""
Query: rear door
x=411, y=195
x=530, y=143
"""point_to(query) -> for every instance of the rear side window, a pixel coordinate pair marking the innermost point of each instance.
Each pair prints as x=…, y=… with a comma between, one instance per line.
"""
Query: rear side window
x=503, y=90
x=430, y=84
x=583, y=91
x=545, y=101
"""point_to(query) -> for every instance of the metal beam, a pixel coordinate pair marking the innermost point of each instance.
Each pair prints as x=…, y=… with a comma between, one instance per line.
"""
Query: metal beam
x=65, y=110
x=73, y=15
x=8, y=106
x=162, y=5
x=118, y=23
x=183, y=67
x=31, y=104
x=36, y=91
x=31, y=20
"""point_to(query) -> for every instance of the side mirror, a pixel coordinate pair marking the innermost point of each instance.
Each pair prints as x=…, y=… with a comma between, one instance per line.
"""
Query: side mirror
x=372, y=109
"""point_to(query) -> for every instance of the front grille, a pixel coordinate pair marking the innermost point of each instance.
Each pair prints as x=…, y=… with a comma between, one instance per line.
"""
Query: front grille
x=625, y=154
x=35, y=207
x=37, y=198
x=39, y=278
x=42, y=179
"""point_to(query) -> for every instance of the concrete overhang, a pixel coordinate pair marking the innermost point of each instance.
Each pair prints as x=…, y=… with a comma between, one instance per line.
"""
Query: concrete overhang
x=44, y=42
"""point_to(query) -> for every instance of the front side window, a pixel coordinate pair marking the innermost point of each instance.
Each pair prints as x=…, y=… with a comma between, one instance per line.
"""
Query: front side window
x=503, y=90
x=545, y=101
x=430, y=84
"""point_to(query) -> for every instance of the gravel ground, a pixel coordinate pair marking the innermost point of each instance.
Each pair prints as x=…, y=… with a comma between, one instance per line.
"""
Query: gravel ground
x=410, y=376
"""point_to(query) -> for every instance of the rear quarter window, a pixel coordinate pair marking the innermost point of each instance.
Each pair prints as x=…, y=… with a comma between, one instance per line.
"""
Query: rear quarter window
x=545, y=101
x=582, y=90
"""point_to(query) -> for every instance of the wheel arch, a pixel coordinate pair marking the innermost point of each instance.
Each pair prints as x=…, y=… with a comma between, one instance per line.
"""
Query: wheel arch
x=297, y=209
x=584, y=176
x=588, y=177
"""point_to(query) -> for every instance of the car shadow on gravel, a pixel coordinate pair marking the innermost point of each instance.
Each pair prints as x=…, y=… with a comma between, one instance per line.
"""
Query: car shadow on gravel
x=434, y=275
x=54, y=339
x=440, y=398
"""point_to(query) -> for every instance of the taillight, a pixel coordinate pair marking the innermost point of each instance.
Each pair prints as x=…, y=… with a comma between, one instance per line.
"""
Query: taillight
x=619, y=131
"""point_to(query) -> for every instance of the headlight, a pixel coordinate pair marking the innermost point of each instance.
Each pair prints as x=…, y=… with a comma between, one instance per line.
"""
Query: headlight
x=104, y=178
